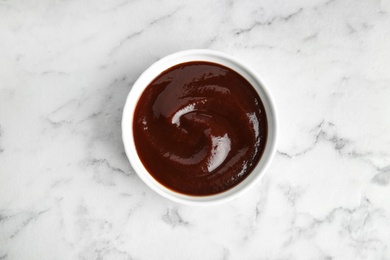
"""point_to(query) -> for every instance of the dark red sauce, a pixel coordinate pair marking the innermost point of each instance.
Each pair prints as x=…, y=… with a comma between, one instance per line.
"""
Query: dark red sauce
x=199, y=128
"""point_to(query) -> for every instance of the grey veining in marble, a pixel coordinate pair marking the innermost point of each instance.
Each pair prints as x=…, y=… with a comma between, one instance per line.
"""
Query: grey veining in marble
x=67, y=190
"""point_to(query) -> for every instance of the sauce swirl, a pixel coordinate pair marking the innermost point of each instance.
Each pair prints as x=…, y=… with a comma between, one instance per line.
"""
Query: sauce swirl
x=199, y=128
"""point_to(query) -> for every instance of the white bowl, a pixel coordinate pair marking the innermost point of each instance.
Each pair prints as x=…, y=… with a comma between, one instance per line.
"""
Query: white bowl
x=210, y=56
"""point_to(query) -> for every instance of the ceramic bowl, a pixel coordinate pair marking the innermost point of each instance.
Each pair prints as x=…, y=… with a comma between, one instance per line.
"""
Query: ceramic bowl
x=199, y=55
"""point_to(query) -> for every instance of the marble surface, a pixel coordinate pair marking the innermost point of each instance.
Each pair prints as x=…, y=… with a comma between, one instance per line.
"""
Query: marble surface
x=67, y=190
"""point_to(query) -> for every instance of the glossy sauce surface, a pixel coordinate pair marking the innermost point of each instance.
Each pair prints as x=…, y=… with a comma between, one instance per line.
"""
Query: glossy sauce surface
x=199, y=128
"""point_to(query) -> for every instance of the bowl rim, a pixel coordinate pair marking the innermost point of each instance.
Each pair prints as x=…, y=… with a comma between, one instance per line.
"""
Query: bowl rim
x=210, y=56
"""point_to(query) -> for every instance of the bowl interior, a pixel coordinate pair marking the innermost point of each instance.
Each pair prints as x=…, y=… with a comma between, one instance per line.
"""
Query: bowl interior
x=198, y=55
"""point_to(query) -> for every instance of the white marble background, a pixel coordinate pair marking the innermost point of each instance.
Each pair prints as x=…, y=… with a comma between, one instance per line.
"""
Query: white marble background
x=67, y=191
